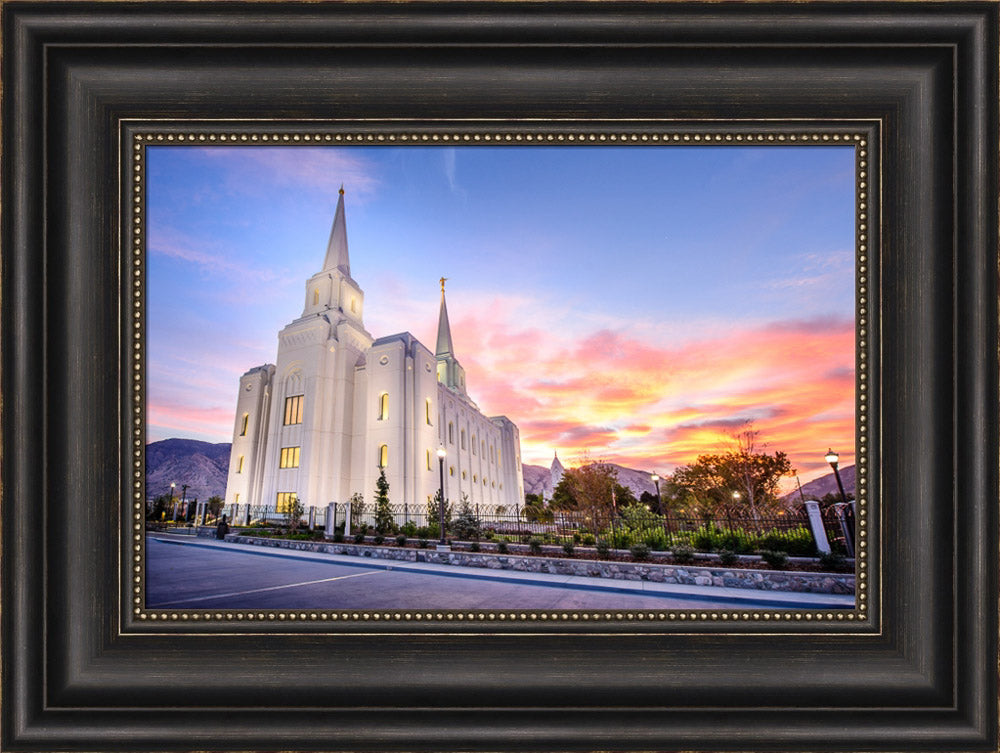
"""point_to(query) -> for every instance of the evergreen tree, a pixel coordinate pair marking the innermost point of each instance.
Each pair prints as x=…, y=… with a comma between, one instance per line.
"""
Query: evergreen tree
x=383, y=512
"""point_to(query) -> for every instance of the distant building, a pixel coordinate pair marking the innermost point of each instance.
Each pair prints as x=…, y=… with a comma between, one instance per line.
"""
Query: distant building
x=338, y=406
x=555, y=471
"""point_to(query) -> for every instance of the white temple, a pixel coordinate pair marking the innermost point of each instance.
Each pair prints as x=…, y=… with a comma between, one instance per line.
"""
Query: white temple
x=338, y=406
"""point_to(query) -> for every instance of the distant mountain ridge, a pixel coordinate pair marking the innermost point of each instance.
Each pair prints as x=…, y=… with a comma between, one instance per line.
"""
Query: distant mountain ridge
x=538, y=480
x=203, y=466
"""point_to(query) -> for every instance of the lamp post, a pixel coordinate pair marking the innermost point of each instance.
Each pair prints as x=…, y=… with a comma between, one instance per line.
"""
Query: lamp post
x=172, y=503
x=844, y=507
x=441, y=453
x=659, y=500
x=184, y=504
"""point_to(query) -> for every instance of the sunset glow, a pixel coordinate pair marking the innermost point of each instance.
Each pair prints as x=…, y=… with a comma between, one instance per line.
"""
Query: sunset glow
x=632, y=304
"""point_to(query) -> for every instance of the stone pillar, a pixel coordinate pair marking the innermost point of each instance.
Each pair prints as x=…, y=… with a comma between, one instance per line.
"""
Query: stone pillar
x=199, y=513
x=816, y=523
x=246, y=514
x=312, y=516
x=347, y=519
x=331, y=520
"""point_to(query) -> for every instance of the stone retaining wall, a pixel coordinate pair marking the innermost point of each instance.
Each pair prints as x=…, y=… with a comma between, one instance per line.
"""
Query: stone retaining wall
x=764, y=580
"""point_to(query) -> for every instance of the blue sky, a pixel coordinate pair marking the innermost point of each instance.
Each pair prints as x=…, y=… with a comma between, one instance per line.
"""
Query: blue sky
x=572, y=271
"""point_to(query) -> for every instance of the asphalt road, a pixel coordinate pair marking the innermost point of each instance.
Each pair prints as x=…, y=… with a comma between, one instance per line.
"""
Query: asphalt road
x=184, y=575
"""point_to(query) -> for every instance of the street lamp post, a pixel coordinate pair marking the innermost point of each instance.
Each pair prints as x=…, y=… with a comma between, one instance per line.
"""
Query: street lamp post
x=659, y=500
x=184, y=506
x=172, y=503
x=844, y=508
x=441, y=455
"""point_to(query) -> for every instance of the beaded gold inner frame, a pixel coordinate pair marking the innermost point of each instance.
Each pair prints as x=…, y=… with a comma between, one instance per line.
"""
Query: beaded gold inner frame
x=863, y=136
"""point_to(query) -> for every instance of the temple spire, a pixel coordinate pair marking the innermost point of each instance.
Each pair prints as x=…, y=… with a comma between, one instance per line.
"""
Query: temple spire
x=444, y=346
x=336, y=249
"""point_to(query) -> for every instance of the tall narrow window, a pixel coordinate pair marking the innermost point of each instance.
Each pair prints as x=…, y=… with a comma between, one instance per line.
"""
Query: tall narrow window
x=315, y=296
x=473, y=444
x=239, y=465
x=451, y=433
x=383, y=406
x=383, y=456
x=354, y=305
x=463, y=439
x=293, y=410
x=284, y=501
x=289, y=457
x=243, y=426
x=236, y=498
x=429, y=467
x=428, y=411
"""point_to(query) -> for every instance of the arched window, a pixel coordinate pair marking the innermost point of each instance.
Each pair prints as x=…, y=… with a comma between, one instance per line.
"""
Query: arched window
x=239, y=465
x=383, y=456
x=451, y=433
x=428, y=411
x=383, y=406
x=246, y=421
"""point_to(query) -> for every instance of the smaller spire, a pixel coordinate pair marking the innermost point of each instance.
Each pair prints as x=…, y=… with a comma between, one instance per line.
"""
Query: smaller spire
x=336, y=249
x=444, y=347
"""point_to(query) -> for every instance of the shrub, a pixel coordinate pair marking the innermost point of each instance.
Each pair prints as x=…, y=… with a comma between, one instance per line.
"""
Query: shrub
x=423, y=532
x=683, y=554
x=466, y=525
x=409, y=528
x=422, y=543
x=588, y=539
x=640, y=552
x=401, y=540
x=775, y=559
x=502, y=547
x=379, y=538
x=831, y=560
x=568, y=547
x=727, y=557
x=535, y=545
x=338, y=536
x=603, y=548
x=359, y=538
x=474, y=546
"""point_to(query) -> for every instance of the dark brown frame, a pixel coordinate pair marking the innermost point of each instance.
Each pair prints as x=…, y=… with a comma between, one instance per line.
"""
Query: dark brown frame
x=919, y=673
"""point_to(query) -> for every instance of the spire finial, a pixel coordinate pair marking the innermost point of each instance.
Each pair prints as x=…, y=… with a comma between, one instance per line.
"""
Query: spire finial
x=442, y=283
x=341, y=189
x=336, y=250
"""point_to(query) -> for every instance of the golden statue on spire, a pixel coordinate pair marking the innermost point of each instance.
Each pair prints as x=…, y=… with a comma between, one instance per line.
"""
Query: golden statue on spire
x=442, y=283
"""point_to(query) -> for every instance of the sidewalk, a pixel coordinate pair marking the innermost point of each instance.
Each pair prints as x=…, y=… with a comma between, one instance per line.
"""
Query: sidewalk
x=738, y=597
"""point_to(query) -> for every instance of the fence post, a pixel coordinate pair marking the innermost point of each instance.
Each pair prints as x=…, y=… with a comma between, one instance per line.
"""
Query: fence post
x=347, y=519
x=331, y=520
x=816, y=523
x=312, y=516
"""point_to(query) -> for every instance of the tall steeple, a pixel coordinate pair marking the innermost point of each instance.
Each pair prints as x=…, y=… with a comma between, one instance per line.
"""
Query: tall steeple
x=444, y=346
x=336, y=249
x=449, y=370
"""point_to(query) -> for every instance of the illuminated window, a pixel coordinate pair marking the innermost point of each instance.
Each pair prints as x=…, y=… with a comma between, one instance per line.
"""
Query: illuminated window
x=383, y=406
x=243, y=428
x=289, y=457
x=236, y=498
x=451, y=433
x=463, y=439
x=383, y=456
x=293, y=410
x=239, y=465
x=428, y=411
x=315, y=296
x=475, y=479
x=451, y=470
x=354, y=305
x=493, y=484
x=429, y=461
x=463, y=474
x=284, y=501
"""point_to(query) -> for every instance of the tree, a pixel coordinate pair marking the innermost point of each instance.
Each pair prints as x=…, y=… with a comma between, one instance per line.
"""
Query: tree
x=215, y=504
x=434, y=510
x=384, y=522
x=293, y=513
x=744, y=479
x=466, y=526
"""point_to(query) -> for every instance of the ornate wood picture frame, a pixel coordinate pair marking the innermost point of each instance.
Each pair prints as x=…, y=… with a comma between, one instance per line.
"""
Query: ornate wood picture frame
x=87, y=667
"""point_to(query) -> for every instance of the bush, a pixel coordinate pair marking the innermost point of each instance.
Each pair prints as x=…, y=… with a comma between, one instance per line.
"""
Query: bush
x=777, y=560
x=423, y=532
x=568, y=547
x=474, y=546
x=727, y=557
x=378, y=539
x=401, y=540
x=359, y=538
x=603, y=548
x=422, y=543
x=502, y=547
x=683, y=555
x=338, y=536
x=640, y=552
x=535, y=545
x=831, y=560
x=588, y=539
x=409, y=528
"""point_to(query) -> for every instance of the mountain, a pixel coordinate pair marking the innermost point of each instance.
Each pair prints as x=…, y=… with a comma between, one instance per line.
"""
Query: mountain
x=538, y=480
x=203, y=466
x=820, y=487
